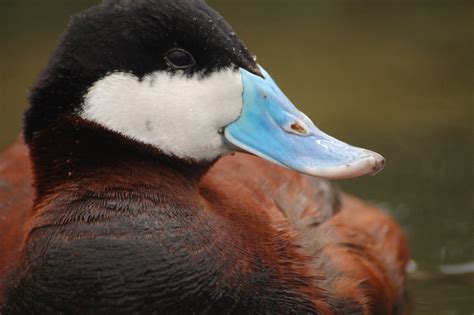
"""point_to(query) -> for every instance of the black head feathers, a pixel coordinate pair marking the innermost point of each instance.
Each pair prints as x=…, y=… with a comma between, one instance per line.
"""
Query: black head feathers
x=132, y=36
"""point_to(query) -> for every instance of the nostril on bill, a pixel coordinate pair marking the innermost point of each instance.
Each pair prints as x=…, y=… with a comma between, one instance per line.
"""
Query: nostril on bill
x=298, y=128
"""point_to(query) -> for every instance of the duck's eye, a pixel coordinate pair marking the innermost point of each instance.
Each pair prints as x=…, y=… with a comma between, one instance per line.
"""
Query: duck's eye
x=179, y=59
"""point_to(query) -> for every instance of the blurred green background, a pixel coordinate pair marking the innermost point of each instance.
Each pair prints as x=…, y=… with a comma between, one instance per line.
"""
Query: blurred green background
x=393, y=76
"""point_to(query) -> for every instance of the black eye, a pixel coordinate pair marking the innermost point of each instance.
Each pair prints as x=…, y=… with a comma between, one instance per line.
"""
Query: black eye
x=179, y=59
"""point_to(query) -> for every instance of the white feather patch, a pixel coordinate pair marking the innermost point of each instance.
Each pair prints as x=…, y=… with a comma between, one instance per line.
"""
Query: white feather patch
x=177, y=114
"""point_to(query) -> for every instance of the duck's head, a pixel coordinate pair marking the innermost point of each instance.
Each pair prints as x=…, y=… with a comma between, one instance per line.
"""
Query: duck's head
x=173, y=75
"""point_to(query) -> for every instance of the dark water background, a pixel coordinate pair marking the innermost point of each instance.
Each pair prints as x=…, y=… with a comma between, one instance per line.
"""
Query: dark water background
x=393, y=76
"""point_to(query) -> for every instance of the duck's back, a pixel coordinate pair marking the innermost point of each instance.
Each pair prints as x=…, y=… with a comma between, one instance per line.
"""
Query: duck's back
x=360, y=251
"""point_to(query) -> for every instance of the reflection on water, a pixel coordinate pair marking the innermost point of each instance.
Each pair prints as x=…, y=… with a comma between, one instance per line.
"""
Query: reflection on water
x=395, y=77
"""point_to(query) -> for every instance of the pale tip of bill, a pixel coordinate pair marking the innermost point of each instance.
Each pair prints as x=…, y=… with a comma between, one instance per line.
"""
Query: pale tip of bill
x=377, y=162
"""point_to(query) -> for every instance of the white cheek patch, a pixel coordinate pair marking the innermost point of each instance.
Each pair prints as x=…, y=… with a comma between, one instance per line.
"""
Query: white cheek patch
x=179, y=115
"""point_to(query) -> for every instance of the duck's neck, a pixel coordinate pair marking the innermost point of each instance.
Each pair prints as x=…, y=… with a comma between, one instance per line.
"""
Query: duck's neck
x=75, y=153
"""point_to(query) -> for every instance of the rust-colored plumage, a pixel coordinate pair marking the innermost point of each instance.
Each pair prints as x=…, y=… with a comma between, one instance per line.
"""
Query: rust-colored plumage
x=359, y=252
x=16, y=201
x=255, y=224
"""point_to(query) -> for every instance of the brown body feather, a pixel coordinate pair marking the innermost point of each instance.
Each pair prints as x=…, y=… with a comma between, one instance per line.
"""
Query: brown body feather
x=359, y=251
x=336, y=251
x=16, y=202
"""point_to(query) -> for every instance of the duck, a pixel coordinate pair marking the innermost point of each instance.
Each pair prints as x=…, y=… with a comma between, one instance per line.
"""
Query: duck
x=161, y=170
